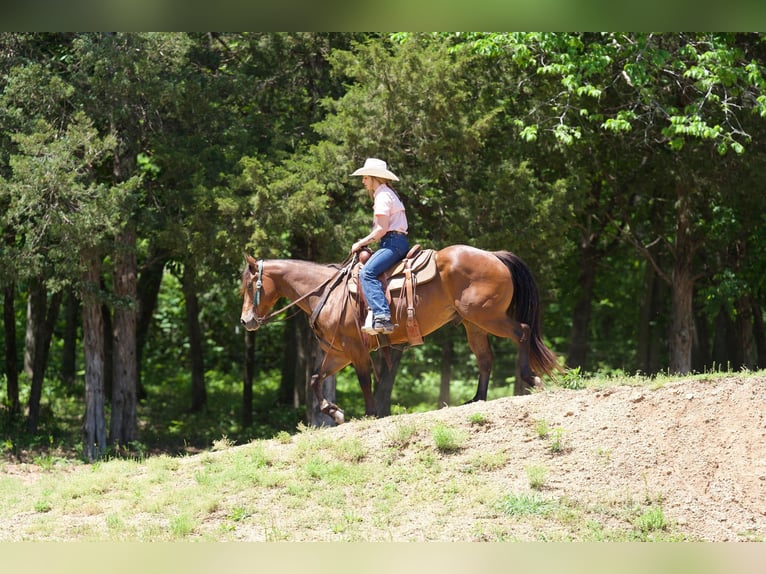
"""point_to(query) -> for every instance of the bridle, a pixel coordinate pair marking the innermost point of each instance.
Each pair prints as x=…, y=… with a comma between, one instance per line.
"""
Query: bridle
x=262, y=320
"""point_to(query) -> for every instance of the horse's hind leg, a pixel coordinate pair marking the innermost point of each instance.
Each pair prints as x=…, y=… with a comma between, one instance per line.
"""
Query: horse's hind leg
x=522, y=334
x=519, y=333
x=478, y=341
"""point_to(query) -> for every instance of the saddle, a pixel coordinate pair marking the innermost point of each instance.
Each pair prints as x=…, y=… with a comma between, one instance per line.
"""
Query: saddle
x=418, y=267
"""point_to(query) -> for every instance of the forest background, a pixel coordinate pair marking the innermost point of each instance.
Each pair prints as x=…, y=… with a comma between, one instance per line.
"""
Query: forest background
x=136, y=170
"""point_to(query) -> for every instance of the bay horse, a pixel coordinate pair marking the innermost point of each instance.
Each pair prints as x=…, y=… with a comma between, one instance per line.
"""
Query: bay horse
x=489, y=292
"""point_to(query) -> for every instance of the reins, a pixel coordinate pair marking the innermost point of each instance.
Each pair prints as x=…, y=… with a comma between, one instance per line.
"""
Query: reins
x=344, y=269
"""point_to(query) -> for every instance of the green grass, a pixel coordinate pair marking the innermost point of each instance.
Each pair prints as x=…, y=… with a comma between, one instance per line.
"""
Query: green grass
x=652, y=520
x=521, y=505
x=536, y=475
x=367, y=482
x=448, y=439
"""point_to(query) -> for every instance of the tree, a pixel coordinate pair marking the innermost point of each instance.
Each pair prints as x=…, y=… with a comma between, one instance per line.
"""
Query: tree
x=679, y=98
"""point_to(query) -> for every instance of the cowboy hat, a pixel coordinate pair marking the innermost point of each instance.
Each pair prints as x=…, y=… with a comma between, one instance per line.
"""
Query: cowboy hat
x=376, y=168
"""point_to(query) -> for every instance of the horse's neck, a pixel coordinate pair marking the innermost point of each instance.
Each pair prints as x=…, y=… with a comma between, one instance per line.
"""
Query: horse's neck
x=294, y=279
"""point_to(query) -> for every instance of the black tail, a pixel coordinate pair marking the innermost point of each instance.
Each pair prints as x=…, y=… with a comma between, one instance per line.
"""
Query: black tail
x=525, y=308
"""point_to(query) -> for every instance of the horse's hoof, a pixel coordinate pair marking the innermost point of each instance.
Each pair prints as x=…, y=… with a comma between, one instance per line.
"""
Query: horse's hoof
x=339, y=418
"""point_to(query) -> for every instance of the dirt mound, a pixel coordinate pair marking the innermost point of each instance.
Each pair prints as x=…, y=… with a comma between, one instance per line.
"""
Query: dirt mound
x=683, y=460
x=695, y=448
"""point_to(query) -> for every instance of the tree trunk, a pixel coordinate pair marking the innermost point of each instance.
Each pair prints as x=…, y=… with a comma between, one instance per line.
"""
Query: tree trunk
x=645, y=321
x=11, y=366
x=69, y=352
x=759, y=334
x=578, y=340
x=682, y=288
x=701, y=352
x=681, y=322
x=94, y=428
x=292, y=363
x=746, y=349
x=247, y=389
x=33, y=312
x=123, y=427
x=42, y=331
x=384, y=385
x=447, y=355
x=148, y=289
x=721, y=355
x=198, y=391
x=304, y=363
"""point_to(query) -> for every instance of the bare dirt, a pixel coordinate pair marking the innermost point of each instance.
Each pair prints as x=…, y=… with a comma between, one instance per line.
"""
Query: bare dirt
x=695, y=448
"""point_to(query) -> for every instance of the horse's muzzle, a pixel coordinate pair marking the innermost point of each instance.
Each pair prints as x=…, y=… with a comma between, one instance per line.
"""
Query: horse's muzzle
x=250, y=322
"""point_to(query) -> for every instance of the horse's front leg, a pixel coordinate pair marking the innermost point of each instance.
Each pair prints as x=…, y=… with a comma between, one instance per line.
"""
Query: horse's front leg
x=327, y=407
x=328, y=365
x=364, y=374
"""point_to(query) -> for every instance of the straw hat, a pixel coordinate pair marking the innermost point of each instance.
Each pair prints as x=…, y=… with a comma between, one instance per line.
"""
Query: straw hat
x=376, y=168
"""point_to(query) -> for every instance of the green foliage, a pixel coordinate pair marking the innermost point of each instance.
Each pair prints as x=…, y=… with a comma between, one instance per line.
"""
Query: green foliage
x=573, y=379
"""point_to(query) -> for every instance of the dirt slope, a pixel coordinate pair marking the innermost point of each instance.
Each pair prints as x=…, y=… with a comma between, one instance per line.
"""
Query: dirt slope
x=695, y=447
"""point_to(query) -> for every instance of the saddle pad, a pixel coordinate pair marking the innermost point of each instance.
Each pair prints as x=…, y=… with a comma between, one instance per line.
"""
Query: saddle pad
x=423, y=267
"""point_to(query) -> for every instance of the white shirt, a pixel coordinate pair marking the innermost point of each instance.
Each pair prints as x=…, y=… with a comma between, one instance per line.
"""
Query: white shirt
x=386, y=202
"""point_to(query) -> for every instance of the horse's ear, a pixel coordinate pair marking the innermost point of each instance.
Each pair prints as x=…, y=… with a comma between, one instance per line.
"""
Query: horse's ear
x=251, y=261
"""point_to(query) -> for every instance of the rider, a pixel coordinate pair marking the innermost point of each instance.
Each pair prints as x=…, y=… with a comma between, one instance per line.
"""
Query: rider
x=390, y=227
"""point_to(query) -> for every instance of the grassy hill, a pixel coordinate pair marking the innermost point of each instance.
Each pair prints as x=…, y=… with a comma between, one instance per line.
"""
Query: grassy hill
x=620, y=460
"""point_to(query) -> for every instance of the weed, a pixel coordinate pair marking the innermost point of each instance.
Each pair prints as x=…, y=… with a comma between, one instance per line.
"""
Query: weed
x=478, y=419
x=536, y=474
x=448, y=439
x=223, y=443
x=487, y=461
x=402, y=435
x=47, y=460
x=181, y=525
x=653, y=520
x=573, y=379
x=351, y=450
x=43, y=505
x=203, y=478
x=334, y=472
x=542, y=429
x=114, y=522
x=557, y=443
x=284, y=437
x=526, y=505
x=605, y=453
x=239, y=513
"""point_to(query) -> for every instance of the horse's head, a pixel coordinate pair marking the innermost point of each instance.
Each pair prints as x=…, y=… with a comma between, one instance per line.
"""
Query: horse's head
x=258, y=294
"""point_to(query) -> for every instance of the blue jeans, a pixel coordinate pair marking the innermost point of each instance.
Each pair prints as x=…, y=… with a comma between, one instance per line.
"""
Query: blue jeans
x=393, y=248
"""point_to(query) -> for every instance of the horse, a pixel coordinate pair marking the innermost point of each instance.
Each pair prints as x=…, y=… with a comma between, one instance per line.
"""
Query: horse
x=490, y=293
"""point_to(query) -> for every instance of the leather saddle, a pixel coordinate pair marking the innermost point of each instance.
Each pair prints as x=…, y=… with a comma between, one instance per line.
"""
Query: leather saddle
x=418, y=267
x=422, y=263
